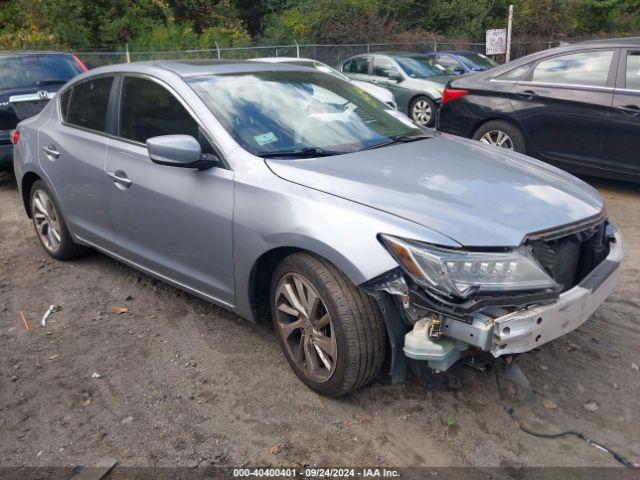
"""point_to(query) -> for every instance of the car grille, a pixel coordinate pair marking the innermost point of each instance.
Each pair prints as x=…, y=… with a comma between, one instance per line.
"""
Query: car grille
x=570, y=258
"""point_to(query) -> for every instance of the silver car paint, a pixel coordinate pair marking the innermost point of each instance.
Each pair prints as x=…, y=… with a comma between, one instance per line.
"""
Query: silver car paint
x=204, y=231
x=474, y=193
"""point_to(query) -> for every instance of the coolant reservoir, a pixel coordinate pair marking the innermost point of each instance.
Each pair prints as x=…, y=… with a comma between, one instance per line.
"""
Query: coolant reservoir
x=439, y=353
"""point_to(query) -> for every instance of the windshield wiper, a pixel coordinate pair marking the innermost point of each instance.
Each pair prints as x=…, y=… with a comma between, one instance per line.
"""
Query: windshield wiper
x=306, y=152
x=53, y=81
x=399, y=139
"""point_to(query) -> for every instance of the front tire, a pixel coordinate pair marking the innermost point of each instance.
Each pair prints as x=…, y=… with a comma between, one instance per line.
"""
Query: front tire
x=49, y=224
x=331, y=332
x=423, y=111
x=501, y=134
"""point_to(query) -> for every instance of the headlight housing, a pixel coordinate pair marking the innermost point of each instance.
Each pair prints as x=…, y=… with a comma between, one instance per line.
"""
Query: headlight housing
x=460, y=273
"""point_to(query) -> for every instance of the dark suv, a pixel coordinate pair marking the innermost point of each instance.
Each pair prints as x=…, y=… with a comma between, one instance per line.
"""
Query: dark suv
x=576, y=106
x=27, y=81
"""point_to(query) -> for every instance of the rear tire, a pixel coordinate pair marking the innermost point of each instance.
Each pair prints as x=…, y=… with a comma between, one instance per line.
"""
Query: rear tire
x=423, y=111
x=501, y=134
x=345, y=326
x=50, y=227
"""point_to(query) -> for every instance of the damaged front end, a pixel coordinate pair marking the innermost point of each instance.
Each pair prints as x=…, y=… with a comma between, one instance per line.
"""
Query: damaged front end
x=443, y=305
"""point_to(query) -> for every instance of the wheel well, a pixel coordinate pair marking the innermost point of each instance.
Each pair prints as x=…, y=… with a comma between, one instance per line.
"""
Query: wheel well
x=28, y=180
x=260, y=282
x=484, y=121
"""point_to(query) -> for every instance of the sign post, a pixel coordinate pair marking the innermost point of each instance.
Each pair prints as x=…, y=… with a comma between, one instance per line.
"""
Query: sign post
x=509, y=24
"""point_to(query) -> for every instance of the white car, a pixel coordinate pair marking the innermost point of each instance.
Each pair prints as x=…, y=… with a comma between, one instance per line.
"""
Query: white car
x=380, y=93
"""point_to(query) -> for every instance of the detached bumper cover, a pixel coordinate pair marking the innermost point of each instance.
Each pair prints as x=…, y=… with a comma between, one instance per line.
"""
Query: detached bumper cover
x=524, y=330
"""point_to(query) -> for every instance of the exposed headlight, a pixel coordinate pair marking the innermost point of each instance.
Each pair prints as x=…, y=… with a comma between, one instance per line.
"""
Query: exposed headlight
x=459, y=273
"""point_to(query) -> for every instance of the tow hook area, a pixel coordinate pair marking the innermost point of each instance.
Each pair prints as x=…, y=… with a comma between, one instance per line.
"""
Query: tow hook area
x=440, y=353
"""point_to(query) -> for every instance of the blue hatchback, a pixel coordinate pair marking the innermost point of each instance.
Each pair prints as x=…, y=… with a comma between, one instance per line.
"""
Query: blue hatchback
x=458, y=63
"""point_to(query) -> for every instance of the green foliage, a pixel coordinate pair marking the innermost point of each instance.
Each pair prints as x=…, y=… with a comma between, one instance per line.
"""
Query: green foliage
x=186, y=24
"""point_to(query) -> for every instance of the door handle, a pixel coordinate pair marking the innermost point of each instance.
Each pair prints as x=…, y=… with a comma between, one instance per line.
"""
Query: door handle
x=120, y=178
x=51, y=151
x=631, y=110
x=527, y=94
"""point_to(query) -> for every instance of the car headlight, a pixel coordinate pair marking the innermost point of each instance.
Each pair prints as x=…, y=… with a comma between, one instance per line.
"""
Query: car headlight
x=460, y=273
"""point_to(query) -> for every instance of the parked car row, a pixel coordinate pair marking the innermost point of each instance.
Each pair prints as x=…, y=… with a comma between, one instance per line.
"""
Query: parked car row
x=577, y=107
x=287, y=194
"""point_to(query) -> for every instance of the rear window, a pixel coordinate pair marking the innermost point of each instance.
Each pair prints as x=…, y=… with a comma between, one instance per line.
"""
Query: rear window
x=585, y=68
x=86, y=104
x=37, y=71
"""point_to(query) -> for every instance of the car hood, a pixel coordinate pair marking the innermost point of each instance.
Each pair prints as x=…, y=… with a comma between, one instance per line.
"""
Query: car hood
x=476, y=194
x=380, y=93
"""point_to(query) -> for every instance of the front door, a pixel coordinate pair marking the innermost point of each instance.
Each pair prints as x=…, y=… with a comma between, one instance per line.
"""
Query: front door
x=564, y=106
x=358, y=68
x=623, y=142
x=173, y=221
x=386, y=74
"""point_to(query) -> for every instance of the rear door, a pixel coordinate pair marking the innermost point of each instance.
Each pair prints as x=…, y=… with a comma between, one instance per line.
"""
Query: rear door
x=72, y=152
x=175, y=222
x=564, y=105
x=623, y=144
x=358, y=68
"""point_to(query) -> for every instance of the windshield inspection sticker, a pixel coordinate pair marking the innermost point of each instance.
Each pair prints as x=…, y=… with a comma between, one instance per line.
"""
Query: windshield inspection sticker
x=265, y=138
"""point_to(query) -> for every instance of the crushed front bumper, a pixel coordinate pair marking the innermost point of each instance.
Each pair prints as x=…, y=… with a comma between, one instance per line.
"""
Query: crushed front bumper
x=526, y=329
x=502, y=333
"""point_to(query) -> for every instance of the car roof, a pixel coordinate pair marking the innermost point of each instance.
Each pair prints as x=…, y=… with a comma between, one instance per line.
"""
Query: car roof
x=612, y=42
x=24, y=53
x=193, y=68
x=283, y=59
x=453, y=52
x=399, y=54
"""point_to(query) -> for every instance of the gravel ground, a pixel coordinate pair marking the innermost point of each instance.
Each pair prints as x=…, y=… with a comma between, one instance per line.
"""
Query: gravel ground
x=184, y=383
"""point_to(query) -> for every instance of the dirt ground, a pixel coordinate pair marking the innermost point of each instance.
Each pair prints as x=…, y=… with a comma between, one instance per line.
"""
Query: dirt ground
x=184, y=383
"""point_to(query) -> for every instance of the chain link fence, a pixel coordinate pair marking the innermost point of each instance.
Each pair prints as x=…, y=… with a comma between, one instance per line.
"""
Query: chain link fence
x=329, y=54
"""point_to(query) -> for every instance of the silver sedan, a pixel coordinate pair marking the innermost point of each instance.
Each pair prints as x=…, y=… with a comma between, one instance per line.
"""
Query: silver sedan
x=291, y=196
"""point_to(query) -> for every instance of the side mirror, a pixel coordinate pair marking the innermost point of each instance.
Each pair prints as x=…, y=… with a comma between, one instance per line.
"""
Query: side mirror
x=179, y=151
x=396, y=76
x=458, y=71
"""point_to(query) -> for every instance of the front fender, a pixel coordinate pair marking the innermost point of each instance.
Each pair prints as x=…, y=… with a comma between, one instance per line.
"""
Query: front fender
x=272, y=213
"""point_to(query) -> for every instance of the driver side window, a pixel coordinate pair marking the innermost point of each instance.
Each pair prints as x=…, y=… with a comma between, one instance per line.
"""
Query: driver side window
x=359, y=65
x=384, y=68
x=449, y=63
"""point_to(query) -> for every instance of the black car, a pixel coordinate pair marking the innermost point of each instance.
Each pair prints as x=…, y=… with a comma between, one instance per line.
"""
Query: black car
x=576, y=106
x=27, y=81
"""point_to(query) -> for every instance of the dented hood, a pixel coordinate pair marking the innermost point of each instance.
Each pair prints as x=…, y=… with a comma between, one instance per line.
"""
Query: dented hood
x=476, y=194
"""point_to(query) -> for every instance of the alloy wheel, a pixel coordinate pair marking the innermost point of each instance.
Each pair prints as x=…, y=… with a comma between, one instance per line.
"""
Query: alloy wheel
x=421, y=112
x=497, y=138
x=303, y=322
x=46, y=221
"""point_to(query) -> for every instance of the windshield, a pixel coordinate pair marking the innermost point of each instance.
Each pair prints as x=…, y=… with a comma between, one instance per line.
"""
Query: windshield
x=420, y=67
x=34, y=71
x=477, y=61
x=287, y=111
x=320, y=67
